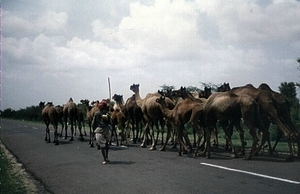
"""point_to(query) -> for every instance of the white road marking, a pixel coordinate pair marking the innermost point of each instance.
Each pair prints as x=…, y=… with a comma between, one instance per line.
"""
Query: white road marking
x=252, y=173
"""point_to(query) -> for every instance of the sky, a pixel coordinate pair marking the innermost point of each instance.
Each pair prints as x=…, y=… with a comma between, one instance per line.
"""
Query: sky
x=54, y=50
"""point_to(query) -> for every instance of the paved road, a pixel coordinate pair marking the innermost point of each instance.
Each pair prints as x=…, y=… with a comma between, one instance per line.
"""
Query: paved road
x=74, y=167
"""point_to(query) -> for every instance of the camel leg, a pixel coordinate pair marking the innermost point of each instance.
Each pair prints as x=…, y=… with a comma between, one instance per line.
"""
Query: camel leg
x=123, y=134
x=90, y=140
x=146, y=129
x=116, y=136
x=135, y=131
x=241, y=133
x=225, y=127
x=162, y=124
x=254, y=143
x=62, y=128
x=169, y=128
x=72, y=129
x=216, y=137
x=200, y=135
x=153, y=146
x=66, y=129
x=48, y=134
x=80, y=131
x=46, y=137
x=208, y=146
x=157, y=133
x=180, y=140
x=55, y=135
x=230, y=132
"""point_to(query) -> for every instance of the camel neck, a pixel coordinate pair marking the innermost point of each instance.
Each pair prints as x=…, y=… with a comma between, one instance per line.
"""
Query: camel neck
x=138, y=99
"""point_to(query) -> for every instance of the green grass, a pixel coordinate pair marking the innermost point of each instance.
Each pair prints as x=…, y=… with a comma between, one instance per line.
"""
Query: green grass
x=9, y=181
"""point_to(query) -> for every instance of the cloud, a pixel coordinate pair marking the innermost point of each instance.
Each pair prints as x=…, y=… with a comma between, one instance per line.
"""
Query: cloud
x=248, y=22
x=61, y=51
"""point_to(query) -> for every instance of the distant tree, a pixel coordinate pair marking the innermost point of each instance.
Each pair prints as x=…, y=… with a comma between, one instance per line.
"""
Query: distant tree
x=213, y=86
x=32, y=113
x=8, y=113
x=167, y=87
x=193, y=89
x=289, y=91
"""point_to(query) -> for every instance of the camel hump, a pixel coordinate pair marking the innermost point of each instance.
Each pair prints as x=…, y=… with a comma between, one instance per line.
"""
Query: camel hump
x=265, y=86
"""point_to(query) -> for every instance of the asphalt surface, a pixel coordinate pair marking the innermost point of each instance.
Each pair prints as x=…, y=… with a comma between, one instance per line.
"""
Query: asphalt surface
x=74, y=167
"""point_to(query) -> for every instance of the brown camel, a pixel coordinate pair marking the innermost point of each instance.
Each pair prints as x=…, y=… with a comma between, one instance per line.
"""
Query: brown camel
x=183, y=112
x=80, y=121
x=228, y=108
x=50, y=115
x=118, y=118
x=266, y=105
x=283, y=110
x=90, y=112
x=134, y=115
x=185, y=95
x=59, y=109
x=152, y=114
x=70, y=111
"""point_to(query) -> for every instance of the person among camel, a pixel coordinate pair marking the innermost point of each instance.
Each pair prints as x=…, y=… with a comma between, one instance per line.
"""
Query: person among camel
x=100, y=123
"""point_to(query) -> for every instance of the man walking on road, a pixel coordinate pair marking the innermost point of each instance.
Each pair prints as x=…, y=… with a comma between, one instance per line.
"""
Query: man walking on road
x=101, y=122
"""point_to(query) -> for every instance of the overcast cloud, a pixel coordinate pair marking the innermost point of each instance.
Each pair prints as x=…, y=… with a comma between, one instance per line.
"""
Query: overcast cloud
x=54, y=50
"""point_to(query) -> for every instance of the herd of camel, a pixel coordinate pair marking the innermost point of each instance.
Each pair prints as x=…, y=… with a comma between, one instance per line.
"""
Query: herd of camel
x=256, y=107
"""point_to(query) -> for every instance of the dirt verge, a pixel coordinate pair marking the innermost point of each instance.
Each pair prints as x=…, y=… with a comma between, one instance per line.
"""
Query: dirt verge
x=31, y=185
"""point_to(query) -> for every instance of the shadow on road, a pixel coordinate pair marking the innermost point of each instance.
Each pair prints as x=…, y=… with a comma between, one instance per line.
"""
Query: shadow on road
x=121, y=162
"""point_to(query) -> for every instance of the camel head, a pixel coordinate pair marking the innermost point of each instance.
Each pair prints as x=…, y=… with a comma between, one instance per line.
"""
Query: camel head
x=167, y=93
x=42, y=104
x=176, y=93
x=224, y=87
x=135, y=87
x=206, y=93
x=85, y=101
x=161, y=101
x=165, y=102
x=95, y=103
x=182, y=92
x=49, y=104
x=117, y=98
x=70, y=100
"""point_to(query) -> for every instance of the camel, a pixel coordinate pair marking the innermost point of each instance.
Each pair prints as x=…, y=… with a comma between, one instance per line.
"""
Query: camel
x=118, y=118
x=152, y=114
x=135, y=117
x=90, y=112
x=282, y=107
x=70, y=111
x=59, y=110
x=183, y=112
x=50, y=115
x=266, y=104
x=228, y=108
x=80, y=120
x=185, y=95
